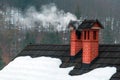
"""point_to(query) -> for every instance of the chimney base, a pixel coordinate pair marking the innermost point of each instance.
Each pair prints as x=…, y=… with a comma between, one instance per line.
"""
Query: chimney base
x=87, y=66
x=72, y=58
x=78, y=55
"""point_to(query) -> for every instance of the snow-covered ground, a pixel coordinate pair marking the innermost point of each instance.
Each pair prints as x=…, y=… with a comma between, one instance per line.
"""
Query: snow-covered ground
x=46, y=68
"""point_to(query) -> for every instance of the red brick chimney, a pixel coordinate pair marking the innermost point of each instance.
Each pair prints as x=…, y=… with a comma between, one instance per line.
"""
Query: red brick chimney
x=76, y=43
x=75, y=40
x=84, y=37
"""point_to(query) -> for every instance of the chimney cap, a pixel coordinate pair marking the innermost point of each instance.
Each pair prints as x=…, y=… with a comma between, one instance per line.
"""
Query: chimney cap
x=74, y=24
x=88, y=24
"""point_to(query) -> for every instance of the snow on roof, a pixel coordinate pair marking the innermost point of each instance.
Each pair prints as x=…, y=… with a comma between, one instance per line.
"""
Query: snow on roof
x=46, y=68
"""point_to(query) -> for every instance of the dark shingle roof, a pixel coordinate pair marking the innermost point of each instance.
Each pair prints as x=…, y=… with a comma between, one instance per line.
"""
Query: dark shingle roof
x=109, y=55
x=87, y=24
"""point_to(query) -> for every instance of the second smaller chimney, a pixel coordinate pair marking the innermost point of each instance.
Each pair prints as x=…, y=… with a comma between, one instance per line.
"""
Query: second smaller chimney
x=75, y=38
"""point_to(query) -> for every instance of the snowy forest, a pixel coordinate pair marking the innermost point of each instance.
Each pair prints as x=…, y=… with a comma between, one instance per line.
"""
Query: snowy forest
x=24, y=22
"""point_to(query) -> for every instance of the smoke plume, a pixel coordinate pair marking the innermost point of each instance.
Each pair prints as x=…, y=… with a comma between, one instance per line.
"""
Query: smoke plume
x=49, y=17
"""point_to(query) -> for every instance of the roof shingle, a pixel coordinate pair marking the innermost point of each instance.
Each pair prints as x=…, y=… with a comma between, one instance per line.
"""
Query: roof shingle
x=109, y=55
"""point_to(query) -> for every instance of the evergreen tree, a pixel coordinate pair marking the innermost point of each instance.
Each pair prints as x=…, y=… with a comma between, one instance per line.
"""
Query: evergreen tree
x=108, y=34
x=1, y=61
x=77, y=11
x=51, y=38
x=29, y=39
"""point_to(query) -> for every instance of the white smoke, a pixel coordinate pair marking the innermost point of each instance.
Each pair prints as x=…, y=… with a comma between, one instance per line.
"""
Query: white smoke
x=49, y=16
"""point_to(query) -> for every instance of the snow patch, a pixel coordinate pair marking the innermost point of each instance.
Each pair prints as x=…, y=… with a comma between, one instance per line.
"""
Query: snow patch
x=46, y=68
